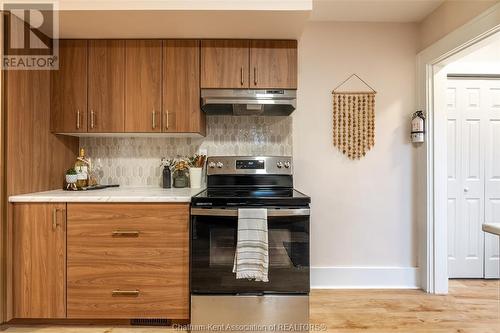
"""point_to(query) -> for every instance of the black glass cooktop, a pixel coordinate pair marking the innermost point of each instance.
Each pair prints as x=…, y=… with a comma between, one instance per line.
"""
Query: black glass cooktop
x=250, y=196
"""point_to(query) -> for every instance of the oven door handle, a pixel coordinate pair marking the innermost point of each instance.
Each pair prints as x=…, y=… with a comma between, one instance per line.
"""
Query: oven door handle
x=271, y=212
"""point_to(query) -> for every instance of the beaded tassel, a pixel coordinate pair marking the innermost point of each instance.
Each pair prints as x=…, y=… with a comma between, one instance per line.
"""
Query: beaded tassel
x=354, y=123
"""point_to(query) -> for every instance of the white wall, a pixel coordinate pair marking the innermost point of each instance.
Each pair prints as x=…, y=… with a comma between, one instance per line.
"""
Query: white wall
x=481, y=59
x=363, y=222
x=448, y=17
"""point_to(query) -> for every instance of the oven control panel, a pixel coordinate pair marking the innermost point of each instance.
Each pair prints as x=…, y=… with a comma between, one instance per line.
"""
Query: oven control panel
x=251, y=164
x=234, y=165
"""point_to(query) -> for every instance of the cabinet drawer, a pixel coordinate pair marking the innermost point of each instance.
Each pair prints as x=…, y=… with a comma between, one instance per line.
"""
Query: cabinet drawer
x=128, y=261
x=127, y=290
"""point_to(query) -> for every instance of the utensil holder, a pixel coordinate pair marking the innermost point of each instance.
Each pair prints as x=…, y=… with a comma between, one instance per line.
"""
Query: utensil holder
x=195, y=177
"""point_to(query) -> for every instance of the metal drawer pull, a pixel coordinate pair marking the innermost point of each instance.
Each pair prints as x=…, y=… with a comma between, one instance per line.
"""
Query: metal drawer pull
x=153, y=125
x=78, y=119
x=125, y=293
x=125, y=233
x=234, y=212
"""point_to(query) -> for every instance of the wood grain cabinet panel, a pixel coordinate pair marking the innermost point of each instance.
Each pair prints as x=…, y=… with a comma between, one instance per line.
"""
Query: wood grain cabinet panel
x=39, y=260
x=69, y=89
x=181, y=87
x=106, y=95
x=224, y=63
x=143, y=85
x=128, y=261
x=273, y=64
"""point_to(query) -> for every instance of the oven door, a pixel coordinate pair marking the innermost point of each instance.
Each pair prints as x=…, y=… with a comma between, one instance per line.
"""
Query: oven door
x=213, y=246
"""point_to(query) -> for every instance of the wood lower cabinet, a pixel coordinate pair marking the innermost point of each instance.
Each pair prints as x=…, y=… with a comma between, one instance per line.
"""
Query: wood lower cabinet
x=68, y=88
x=224, y=63
x=273, y=64
x=39, y=260
x=181, y=87
x=143, y=85
x=106, y=82
x=128, y=261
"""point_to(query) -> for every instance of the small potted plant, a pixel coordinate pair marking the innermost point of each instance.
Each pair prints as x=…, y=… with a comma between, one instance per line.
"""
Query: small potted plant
x=180, y=175
x=71, y=179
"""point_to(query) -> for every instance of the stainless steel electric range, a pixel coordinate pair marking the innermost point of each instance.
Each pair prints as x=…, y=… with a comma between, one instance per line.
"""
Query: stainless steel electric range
x=217, y=297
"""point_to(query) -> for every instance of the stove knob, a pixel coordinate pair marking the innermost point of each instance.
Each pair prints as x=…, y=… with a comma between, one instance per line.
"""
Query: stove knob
x=279, y=165
x=287, y=165
x=211, y=165
x=220, y=165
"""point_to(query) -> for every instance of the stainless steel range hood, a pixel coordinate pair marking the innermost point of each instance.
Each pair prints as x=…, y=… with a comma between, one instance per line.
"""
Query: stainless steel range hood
x=255, y=102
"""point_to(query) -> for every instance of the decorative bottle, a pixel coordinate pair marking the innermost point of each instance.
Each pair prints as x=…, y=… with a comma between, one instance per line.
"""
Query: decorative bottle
x=82, y=170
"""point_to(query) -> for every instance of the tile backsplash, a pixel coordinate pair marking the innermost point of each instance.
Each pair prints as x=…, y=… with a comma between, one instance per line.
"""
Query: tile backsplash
x=135, y=161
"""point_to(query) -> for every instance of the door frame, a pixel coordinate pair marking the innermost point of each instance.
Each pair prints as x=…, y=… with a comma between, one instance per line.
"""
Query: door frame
x=432, y=164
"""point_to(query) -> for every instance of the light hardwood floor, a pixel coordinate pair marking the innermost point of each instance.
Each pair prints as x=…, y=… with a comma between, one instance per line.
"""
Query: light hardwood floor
x=472, y=306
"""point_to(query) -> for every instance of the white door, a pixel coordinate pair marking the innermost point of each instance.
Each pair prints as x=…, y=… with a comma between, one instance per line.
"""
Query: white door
x=473, y=175
x=492, y=176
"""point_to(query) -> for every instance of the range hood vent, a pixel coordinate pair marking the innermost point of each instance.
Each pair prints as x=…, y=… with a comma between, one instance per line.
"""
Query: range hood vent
x=244, y=102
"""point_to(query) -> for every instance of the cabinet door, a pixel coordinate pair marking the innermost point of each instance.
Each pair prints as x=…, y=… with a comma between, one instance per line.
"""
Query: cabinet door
x=39, y=260
x=128, y=261
x=224, y=63
x=106, y=86
x=273, y=64
x=143, y=85
x=69, y=89
x=181, y=92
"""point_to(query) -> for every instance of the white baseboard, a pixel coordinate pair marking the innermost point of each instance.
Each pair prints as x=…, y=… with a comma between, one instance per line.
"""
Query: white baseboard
x=364, y=278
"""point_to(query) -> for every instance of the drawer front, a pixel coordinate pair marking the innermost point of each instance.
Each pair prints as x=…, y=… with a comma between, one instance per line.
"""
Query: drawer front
x=128, y=261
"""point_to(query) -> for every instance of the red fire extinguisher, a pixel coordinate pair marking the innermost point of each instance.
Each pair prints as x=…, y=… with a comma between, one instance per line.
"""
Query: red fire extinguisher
x=417, y=127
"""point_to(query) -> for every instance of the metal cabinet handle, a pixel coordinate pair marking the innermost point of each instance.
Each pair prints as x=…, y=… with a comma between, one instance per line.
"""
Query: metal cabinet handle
x=78, y=119
x=241, y=75
x=54, y=217
x=125, y=233
x=255, y=75
x=125, y=293
x=167, y=122
x=153, y=119
x=92, y=124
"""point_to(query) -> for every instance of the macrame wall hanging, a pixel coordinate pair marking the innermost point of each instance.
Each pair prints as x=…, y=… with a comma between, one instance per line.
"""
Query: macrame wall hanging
x=354, y=120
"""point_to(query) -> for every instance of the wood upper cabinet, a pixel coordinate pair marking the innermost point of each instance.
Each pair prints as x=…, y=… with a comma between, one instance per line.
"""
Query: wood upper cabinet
x=143, y=85
x=181, y=87
x=106, y=94
x=224, y=63
x=39, y=260
x=273, y=64
x=128, y=261
x=69, y=89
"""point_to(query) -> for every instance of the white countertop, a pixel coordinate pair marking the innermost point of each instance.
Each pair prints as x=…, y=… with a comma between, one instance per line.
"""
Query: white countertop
x=492, y=228
x=116, y=194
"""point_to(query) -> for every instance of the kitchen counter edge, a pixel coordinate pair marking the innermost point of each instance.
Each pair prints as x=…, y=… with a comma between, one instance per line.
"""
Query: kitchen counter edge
x=120, y=194
x=492, y=228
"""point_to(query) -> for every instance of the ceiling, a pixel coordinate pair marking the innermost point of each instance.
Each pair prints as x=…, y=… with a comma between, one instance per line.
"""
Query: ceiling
x=373, y=10
x=225, y=18
x=181, y=24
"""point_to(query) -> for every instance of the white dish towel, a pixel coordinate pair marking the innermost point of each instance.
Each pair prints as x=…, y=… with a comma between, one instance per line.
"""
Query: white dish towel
x=251, y=260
